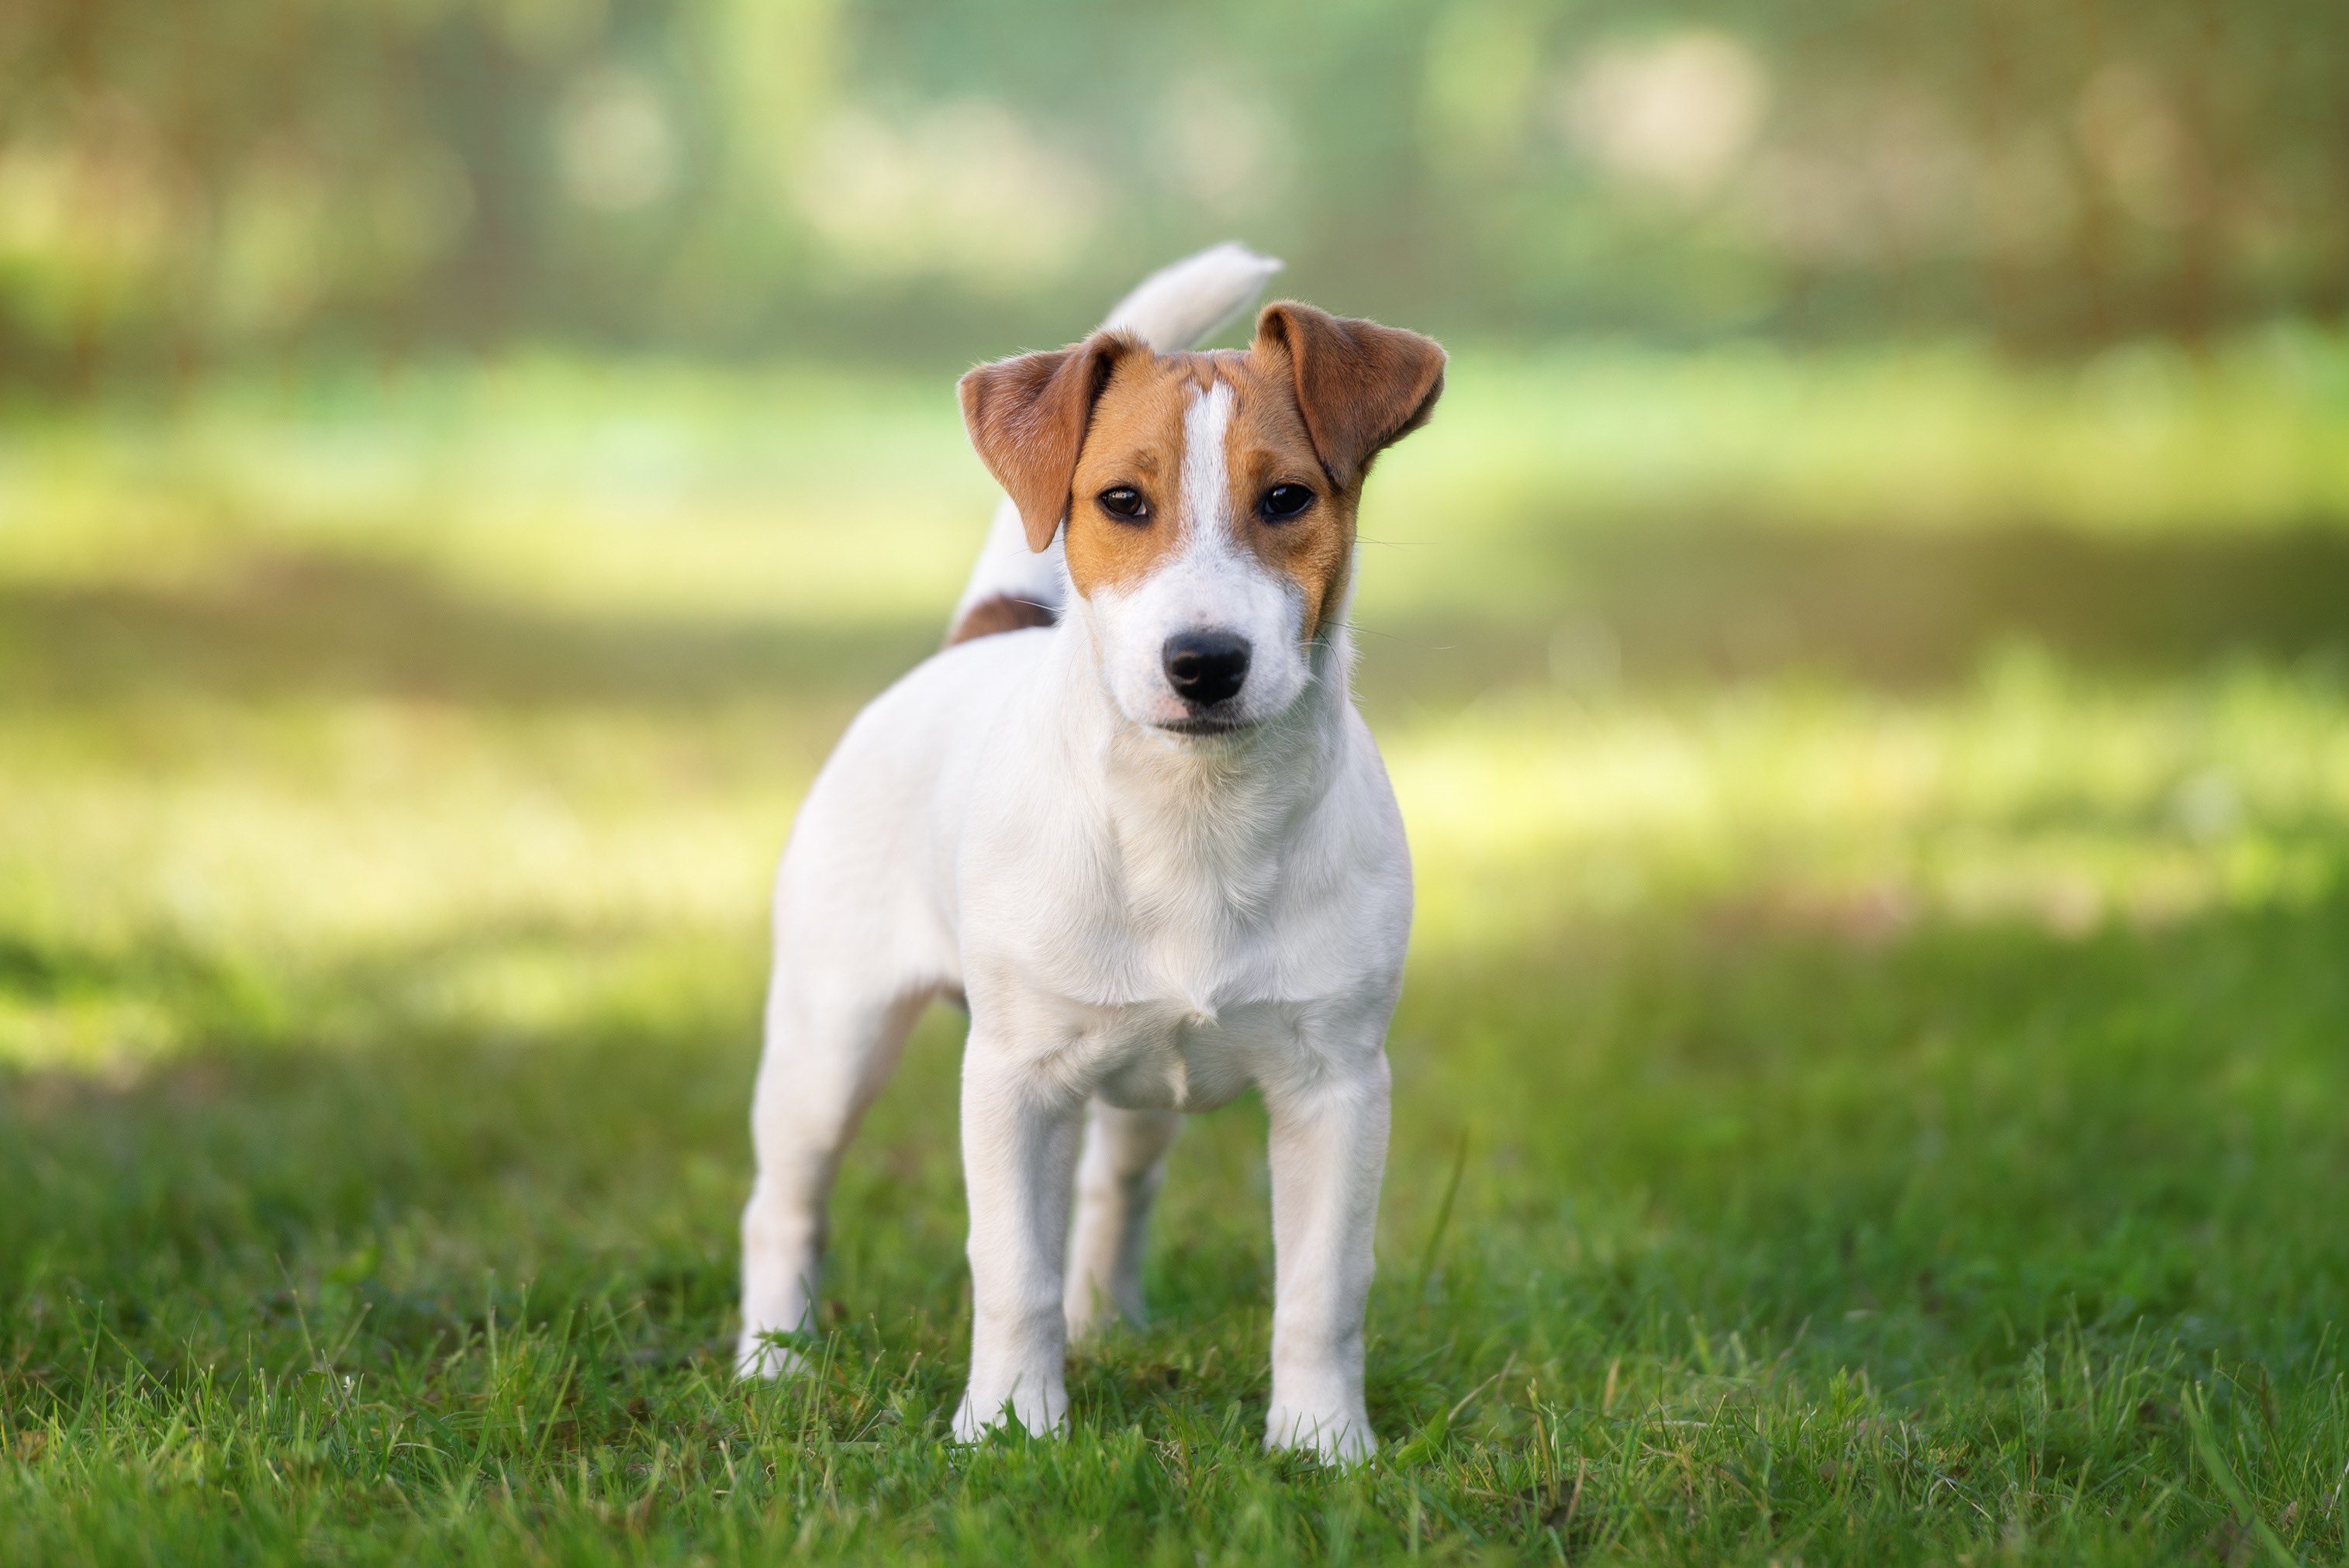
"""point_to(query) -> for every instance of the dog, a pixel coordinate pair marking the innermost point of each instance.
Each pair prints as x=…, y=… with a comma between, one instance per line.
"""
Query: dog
x=1131, y=817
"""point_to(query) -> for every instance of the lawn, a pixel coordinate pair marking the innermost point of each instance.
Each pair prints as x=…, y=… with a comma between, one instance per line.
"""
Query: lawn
x=1870, y=1079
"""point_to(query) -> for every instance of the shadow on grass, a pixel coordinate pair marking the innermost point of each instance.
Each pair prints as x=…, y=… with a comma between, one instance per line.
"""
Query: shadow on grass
x=1669, y=603
x=1681, y=601
x=323, y=626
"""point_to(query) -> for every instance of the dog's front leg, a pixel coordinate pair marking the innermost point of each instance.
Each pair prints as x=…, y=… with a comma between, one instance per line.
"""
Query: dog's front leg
x=1329, y=1152
x=1019, y=1152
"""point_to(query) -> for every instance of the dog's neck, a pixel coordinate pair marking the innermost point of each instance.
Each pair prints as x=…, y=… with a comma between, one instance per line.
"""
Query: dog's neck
x=1200, y=826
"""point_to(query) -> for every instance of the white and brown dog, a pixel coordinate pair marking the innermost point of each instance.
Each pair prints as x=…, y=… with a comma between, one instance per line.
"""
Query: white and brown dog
x=1142, y=831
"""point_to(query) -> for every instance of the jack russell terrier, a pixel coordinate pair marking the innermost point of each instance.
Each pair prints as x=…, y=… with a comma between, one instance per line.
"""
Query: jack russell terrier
x=1131, y=815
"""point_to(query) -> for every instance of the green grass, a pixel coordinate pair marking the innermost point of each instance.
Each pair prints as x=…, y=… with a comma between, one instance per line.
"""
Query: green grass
x=1870, y=1080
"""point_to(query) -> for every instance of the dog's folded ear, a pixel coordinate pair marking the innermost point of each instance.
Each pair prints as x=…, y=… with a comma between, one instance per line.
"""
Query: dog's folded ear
x=1360, y=387
x=1026, y=419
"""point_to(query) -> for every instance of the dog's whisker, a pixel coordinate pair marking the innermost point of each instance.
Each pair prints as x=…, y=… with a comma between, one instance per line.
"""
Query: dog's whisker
x=1408, y=641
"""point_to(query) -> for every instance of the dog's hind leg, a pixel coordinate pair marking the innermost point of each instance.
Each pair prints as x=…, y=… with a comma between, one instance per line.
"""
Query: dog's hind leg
x=828, y=1052
x=1117, y=1181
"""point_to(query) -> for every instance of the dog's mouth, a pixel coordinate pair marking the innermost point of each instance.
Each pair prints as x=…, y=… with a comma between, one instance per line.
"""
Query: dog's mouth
x=1206, y=724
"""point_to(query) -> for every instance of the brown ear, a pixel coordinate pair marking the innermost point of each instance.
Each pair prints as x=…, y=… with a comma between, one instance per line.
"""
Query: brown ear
x=1026, y=418
x=1360, y=387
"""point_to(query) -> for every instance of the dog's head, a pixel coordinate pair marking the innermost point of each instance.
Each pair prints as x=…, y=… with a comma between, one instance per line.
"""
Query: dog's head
x=1210, y=498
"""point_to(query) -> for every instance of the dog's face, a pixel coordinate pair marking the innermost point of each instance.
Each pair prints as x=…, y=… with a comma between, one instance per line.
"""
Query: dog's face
x=1209, y=498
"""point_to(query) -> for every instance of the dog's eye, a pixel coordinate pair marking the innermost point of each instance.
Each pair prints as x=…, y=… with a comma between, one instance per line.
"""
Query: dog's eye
x=1282, y=503
x=1126, y=501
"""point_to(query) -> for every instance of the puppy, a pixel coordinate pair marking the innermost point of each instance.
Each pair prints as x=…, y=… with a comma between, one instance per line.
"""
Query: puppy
x=1131, y=815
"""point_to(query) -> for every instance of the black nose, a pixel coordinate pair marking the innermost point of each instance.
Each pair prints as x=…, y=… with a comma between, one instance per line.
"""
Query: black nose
x=1205, y=667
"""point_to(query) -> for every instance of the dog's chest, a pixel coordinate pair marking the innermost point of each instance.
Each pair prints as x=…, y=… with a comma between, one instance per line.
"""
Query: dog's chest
x=1193, y=930
x=1187, y=991
x=1155, y=1056
x=1165, y=945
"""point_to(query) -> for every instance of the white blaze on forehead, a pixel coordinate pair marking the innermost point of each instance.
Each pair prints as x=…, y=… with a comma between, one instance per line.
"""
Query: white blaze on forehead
x=1206, y=476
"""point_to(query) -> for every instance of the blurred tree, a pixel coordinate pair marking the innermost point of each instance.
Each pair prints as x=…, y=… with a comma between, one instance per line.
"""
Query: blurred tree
x=185, y=182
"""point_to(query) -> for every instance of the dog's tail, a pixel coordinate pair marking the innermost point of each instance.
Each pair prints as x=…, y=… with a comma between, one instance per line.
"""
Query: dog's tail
x=1013, y=586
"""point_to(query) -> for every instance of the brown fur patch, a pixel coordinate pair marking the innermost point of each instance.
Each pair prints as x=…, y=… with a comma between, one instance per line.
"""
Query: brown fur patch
x=1360, y=387
x=1026, y=418
x=1135, y=439
x=1314, y=399
x=1000, y=614
x=1265, y=445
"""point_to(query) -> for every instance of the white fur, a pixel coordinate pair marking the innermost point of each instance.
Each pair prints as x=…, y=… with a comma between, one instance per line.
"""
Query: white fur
x=1145, y=923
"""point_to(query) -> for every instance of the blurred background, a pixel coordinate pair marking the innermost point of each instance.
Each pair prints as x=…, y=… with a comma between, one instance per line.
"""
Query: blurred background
x=248, y=180
x=1863, y=651
x=461, y=460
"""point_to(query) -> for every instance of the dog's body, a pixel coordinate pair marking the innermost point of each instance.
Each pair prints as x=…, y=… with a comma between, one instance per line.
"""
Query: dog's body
x=1153, y=844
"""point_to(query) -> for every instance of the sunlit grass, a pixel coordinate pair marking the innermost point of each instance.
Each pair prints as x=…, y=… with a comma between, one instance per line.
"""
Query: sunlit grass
x=1839, y=1118
x=2031, y=795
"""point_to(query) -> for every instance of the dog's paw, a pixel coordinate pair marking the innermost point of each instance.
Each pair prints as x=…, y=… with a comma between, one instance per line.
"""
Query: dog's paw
x=1046, y=1416
x=763, y=1356
x=1336, y=1437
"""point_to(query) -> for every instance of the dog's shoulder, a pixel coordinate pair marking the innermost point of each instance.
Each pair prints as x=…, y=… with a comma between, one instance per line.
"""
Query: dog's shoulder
x=946, y=702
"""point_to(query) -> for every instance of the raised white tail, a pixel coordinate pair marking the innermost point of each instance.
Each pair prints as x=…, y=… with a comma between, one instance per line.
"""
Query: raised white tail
x=1173, y=308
